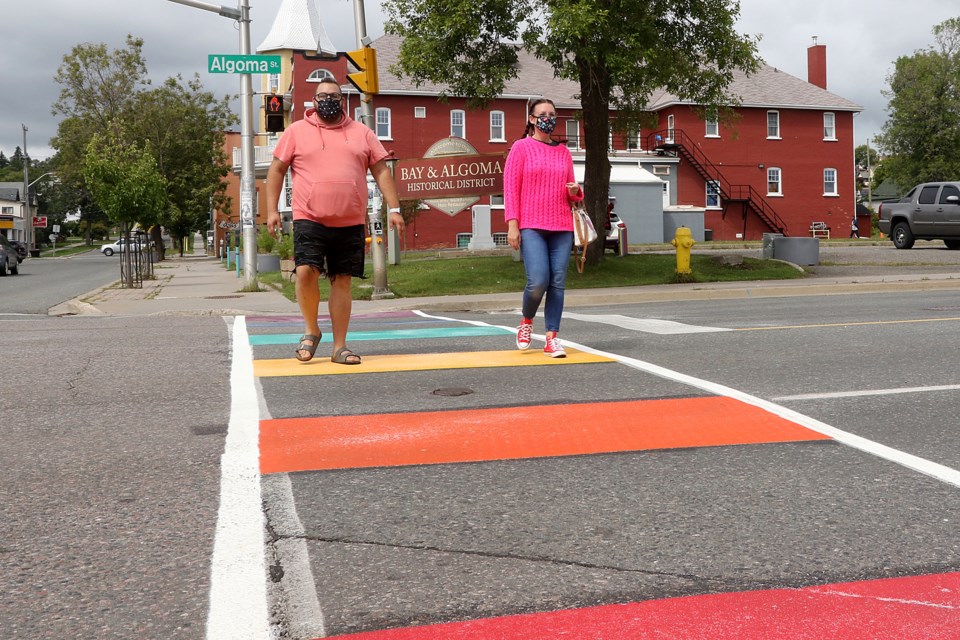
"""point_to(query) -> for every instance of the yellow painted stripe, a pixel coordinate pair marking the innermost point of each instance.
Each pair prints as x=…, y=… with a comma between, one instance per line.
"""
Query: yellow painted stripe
x=421, y=362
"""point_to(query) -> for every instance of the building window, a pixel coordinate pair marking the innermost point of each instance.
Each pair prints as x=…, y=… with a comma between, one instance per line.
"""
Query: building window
x=463, y=240
x=497, y=133
x=713, y=195
x=573, y=133
x=661, y=169
x=500, y=239
x=419, y=112
x=829, y=126
x=829, y=182
x=633, y=141
x=712, y=126
x=773, y=124
x=496, y=202
x=318, y=74
x=458, y=126
x=383, y=124
x=7, y=211
x=774, y=182
x=669, y=129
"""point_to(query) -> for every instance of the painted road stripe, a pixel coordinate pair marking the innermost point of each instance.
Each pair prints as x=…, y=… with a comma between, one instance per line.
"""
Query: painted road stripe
x=511, y=433
x=845, y=324
x=915, y=607
x=422, y=362
x=910, y=461
x=238, y=594
x=647, y=325
x=394, y=334
x=866, y=392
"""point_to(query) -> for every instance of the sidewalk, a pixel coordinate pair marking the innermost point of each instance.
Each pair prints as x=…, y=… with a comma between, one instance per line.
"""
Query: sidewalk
x=200, y=285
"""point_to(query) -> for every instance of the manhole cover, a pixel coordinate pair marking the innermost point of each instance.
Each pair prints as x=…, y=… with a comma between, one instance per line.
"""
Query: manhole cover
x=222, y=297
x=453, y=392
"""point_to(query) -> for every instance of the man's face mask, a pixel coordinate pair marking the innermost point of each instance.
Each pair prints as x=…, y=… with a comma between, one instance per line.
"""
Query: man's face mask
x=328, y=106
x=546, y=123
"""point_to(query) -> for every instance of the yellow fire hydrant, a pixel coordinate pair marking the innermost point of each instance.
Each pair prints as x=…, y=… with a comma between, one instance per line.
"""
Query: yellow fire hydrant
x=683, y=241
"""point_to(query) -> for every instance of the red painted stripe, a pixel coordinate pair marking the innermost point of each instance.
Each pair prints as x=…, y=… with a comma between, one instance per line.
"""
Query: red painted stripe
x=398, y=439
x=912, y=608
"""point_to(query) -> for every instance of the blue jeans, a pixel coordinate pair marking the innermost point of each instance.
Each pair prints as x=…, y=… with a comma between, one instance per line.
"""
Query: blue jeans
x=546, y=255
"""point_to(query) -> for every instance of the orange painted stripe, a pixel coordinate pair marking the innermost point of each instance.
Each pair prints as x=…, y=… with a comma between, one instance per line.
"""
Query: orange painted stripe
x=399, y=439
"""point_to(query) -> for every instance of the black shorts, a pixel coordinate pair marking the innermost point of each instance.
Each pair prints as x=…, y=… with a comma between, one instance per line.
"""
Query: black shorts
x=332, y=251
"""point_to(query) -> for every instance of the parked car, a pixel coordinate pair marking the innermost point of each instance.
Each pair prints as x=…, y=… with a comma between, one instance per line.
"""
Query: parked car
x=20, y=248
x=930, y=211
x=118, y=246
x=8, y=257
x=612, y=228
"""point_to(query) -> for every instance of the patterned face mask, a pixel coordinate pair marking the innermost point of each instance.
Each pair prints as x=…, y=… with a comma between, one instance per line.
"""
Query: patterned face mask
x=328, y=109
x=547, y=124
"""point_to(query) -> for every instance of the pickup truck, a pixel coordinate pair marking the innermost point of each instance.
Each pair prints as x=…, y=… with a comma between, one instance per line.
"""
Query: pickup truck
x=930, y=211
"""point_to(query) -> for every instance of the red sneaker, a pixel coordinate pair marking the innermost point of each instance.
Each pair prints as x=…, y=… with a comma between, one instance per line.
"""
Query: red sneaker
x=523, y=334
x=553, y=348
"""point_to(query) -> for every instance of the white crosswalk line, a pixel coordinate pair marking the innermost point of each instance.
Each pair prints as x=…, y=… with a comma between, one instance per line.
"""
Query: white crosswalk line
x=647, y=325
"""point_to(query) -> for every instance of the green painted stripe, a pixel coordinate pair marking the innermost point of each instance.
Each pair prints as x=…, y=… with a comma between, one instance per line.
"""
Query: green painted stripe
x=396, y=334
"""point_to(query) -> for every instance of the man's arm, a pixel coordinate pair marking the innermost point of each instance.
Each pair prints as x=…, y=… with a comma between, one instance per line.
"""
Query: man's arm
x=381, y=173
x=275, y=176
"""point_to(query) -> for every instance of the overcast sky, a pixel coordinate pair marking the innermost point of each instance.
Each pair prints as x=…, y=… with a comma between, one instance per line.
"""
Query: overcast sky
x=863, y=40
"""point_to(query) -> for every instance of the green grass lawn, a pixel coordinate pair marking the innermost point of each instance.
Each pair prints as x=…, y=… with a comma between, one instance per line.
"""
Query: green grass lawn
x=440, y=276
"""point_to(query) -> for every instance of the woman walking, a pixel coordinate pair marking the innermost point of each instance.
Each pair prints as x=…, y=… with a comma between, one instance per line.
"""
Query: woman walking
x=538, y=187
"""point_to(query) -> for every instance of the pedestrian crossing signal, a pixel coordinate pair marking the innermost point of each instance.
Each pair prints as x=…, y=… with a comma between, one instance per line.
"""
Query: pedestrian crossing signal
x=366, y=79
x=273, y=113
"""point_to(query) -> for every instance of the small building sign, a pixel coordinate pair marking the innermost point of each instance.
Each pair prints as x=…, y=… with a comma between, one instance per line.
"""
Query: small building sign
x=227, y=63
x=40, y=221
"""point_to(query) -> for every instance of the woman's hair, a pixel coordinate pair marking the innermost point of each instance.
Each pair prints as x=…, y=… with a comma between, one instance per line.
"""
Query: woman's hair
x=529, y=128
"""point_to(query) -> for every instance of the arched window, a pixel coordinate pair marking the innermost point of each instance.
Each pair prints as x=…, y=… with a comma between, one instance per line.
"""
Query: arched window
x=318, y=74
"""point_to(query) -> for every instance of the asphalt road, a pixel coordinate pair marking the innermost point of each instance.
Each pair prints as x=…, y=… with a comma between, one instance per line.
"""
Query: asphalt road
x=46, y=282
x=408, y=545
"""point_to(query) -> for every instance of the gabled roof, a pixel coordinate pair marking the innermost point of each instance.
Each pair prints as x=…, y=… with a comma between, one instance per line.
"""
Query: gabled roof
x=768, y=88
x=8, y=194
x=297, y=26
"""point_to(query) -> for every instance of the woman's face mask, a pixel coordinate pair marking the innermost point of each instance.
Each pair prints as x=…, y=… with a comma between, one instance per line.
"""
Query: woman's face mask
x=546, y=123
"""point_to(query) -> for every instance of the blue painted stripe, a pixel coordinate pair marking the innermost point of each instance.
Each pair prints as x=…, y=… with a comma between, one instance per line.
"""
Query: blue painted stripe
x=398, y=334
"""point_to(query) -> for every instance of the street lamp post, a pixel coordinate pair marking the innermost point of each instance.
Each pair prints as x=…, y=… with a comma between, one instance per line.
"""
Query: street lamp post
x=248, y=191
x=27, y=217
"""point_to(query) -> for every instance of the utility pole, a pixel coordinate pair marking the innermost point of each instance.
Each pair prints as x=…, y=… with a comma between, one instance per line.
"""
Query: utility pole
x=869, y=177
x=27, y=217
x=380, y=289
x=248, y=187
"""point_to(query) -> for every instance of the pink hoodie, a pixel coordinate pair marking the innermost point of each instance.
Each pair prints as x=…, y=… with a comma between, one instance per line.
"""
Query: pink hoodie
x=329, y=164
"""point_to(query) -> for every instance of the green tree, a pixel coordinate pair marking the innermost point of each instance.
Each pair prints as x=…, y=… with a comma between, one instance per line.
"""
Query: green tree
x=184, y=125
x=865, y=156
x=620, y=52
x=3, y=161
x=16, y=160
x=123, y=179
x=921, y=139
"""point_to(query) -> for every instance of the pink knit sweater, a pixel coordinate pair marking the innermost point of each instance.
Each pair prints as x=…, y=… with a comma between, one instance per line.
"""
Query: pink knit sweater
x=534, y=186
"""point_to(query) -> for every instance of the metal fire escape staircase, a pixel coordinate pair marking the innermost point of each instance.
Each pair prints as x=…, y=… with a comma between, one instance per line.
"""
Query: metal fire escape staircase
x=743, y=194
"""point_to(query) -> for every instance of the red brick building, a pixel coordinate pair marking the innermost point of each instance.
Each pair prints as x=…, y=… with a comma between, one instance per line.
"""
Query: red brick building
x=784, y=163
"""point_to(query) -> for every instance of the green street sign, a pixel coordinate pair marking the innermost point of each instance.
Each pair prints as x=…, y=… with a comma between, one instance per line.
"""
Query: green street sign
x=225, y=63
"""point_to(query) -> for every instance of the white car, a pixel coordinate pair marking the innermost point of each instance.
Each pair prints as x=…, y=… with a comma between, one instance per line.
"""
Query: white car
x=117, y=247
x=611, y=236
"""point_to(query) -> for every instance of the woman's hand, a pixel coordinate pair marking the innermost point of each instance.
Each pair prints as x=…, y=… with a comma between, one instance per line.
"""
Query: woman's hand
x=573, y=189
x=513, y=234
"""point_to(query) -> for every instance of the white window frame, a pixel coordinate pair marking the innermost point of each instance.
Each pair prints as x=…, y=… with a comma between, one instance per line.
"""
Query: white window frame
x=496, y=129
x=419, y=112
x=826, y=191
x=829, y=131
x=670, y=128
x=382, y=117
x=454, y=113
x=318, y=75
x=633, y=141
x=713, y=193
x=573, y=141
x=711, y=126
x=7, y=211
x=776, y=134
x=779, y=181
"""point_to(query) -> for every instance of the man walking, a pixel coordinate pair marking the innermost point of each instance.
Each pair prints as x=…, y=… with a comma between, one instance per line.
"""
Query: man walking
x=329, y=154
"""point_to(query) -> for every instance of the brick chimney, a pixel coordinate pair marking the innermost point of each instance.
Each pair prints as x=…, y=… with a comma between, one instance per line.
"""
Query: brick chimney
x=817, y=64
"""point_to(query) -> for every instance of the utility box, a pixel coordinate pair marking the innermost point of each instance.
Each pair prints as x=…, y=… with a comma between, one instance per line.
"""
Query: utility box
x=802, y=251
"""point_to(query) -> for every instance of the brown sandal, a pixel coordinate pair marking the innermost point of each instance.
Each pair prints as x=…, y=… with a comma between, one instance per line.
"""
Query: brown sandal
x=345, y=356
x=309, y=348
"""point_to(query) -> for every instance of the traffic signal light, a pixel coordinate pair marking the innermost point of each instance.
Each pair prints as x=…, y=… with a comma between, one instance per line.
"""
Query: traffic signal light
x=366, y=80
x=273, y=112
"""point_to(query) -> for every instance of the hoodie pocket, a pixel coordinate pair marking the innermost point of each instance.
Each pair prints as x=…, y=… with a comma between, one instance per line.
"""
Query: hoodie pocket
x=335, y=199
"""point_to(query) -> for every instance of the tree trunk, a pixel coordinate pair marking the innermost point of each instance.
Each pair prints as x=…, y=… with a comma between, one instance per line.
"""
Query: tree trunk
x=595, y=102
x=156, y=238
